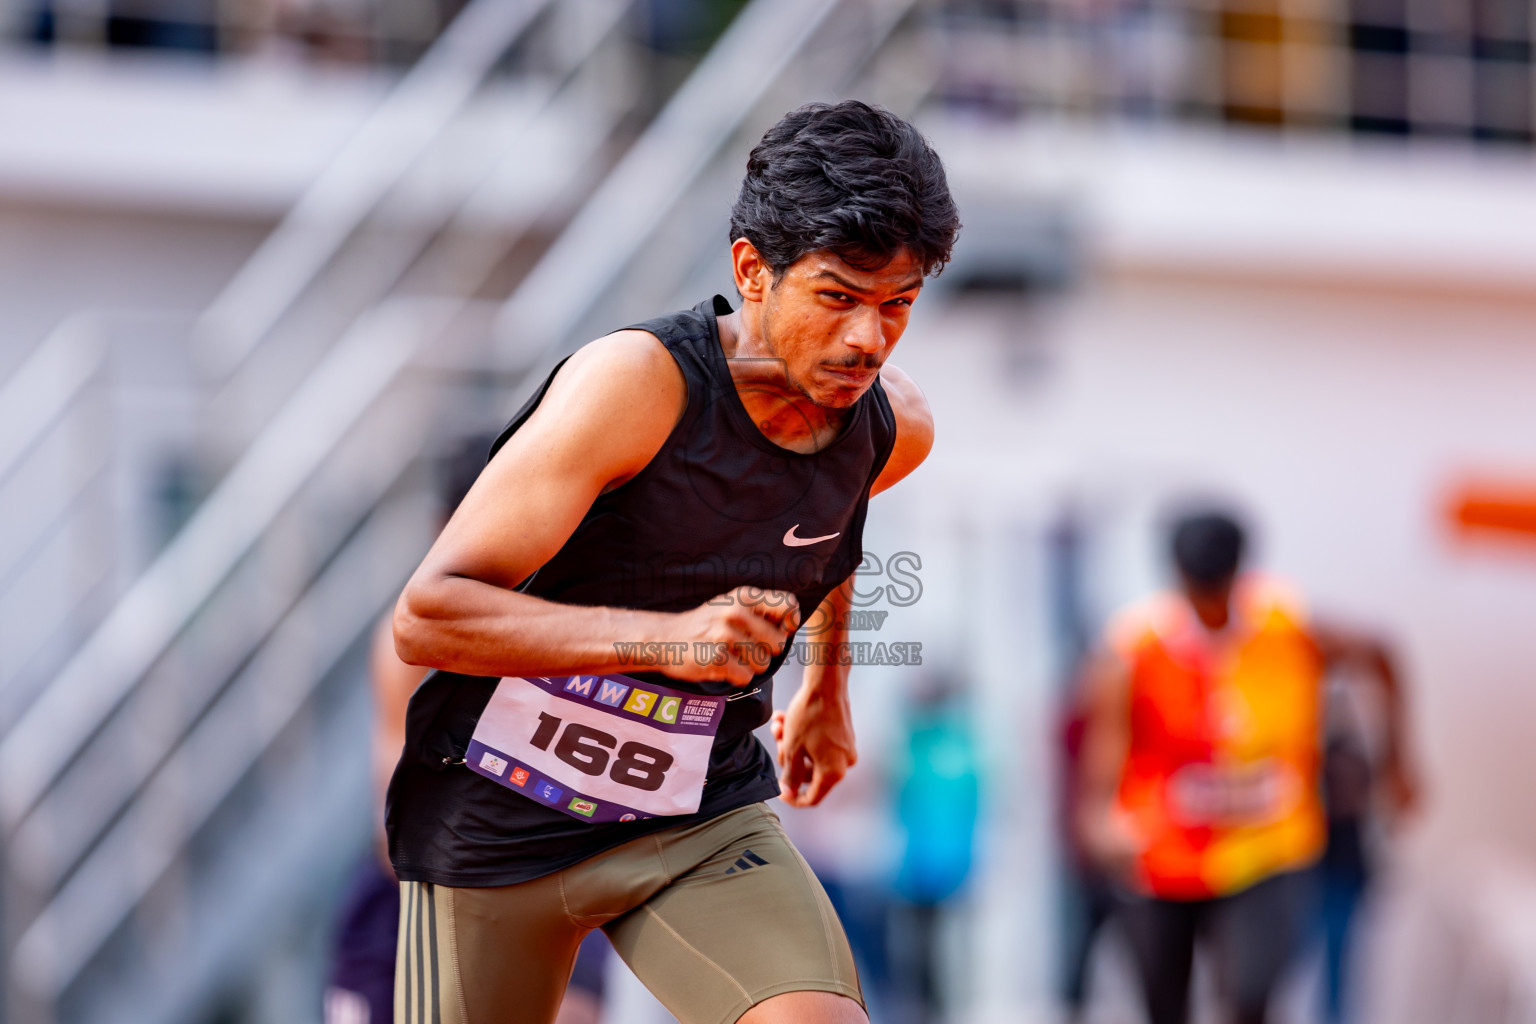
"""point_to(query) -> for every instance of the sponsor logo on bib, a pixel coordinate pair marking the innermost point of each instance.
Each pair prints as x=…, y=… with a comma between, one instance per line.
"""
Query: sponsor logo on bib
x=640, y=702
x=611, y=693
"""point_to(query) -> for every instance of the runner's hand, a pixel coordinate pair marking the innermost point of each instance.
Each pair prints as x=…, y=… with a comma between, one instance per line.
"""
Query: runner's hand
x=735, y=636
x=816, y=745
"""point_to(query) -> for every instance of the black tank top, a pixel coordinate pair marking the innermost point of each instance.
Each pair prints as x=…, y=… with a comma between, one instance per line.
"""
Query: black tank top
x=710, y=512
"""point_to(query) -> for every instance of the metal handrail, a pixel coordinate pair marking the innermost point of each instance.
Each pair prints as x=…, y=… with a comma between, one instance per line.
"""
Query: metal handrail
x=211, y=759
x=39, y=395
x=359, y=177
x=332, y=207
x=223, y=528
x=36, y=394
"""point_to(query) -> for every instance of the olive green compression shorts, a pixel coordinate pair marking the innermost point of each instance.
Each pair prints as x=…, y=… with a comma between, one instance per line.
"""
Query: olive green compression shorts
x=713, y=918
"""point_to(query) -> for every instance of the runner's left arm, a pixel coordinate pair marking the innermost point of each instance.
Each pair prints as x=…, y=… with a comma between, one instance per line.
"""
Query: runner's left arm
x=914, y=427
x=815, y=734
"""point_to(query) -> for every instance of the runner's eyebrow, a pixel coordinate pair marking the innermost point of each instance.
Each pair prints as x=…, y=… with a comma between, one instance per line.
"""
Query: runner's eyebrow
x=839, y=279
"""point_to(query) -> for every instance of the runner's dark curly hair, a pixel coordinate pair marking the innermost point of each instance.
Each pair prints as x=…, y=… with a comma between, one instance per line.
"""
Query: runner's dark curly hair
x=851, y=178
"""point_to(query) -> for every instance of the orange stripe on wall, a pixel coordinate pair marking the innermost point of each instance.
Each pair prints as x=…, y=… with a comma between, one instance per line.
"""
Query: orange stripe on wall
x=1503, y=509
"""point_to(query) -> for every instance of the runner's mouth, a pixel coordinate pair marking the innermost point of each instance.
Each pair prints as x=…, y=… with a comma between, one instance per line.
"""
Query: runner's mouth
x=852, y=378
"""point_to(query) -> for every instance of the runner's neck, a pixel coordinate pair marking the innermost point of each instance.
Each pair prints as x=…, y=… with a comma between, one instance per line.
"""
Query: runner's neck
x=784, y=415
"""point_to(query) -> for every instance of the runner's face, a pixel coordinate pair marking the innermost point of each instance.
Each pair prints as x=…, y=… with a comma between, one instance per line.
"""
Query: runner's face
x=834, y=325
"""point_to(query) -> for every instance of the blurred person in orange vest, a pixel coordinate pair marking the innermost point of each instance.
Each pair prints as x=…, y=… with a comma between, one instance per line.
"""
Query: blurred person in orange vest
x=1201, y=776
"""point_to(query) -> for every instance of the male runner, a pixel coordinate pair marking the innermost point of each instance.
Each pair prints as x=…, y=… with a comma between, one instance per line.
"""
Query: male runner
x=698, y=480
x=1201, y=788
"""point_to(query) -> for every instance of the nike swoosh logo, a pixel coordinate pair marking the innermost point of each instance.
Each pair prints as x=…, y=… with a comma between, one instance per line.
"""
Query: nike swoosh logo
x=799, y=542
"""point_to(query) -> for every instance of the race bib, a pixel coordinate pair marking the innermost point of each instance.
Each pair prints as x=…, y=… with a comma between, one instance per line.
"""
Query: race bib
x=1257, y=793
x=599, y=748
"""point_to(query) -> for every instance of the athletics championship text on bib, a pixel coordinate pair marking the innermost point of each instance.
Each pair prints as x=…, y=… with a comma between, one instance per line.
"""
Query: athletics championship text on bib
x=599, y=748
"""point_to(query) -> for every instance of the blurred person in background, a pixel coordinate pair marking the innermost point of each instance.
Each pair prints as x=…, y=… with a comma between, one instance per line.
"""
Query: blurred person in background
x=1356, y=761
x=1202, y=764
x=360, y=987
x=937, y=802
x=1088, y=894
x=1087, y=898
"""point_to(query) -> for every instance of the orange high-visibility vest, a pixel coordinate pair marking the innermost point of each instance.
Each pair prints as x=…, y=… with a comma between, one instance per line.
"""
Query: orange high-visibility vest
x=1221, y=776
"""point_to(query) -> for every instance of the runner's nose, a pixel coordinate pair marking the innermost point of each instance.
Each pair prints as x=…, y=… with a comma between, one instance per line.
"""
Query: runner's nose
x=864, y=331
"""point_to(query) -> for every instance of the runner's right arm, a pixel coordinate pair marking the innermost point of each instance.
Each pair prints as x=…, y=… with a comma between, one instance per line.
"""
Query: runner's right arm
x=606, y=414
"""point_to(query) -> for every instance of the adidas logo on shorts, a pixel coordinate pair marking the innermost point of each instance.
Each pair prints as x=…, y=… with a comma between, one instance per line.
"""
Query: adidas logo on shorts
x=746, y=862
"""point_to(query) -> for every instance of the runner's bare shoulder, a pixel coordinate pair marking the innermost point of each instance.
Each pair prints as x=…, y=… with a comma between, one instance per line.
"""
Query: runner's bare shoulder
x=613, y=405
x=914, y=426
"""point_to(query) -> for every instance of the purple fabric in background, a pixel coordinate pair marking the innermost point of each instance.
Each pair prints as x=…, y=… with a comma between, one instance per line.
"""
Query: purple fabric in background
x=363, y=958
